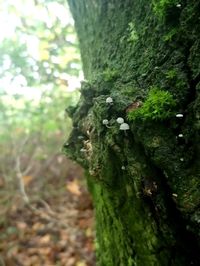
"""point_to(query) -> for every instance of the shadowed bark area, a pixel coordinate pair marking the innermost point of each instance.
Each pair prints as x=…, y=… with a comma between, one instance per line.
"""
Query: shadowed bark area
x=144, y=181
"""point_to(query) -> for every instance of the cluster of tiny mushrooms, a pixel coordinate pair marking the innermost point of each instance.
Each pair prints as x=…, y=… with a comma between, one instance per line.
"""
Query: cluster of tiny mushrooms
x=123, y=126
x=180, y=135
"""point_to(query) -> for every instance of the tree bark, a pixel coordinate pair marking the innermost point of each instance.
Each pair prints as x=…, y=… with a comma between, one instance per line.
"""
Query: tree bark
x=144, y=181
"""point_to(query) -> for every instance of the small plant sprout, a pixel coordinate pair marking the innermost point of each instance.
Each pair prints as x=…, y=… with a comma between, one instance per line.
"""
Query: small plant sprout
x=179, y=115
x=105, y=122
x=120, y=120
x=180, y=135
x=109, y=100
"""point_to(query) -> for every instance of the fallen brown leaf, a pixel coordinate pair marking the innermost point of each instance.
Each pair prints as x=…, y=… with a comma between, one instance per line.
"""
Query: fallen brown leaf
x=74, y=188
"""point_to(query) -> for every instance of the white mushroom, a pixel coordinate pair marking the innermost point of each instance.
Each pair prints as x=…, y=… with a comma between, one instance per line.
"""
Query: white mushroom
x=178, y=5
x=80, y=137
x=123, y=167
x=105, y=122
x=120, y=120
x=109, y=100
x=124, y=126
x=182, y=159
x=180, y=135
x=179, y=115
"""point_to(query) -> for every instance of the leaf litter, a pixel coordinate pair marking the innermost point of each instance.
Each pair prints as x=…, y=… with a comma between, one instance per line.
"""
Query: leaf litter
x=57, y=231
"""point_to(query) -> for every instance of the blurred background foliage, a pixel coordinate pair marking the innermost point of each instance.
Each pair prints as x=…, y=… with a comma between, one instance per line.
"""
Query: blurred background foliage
x=46, y=215
x=40, y=71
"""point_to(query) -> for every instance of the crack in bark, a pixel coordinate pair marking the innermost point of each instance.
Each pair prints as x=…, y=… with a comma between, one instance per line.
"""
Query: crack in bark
x=187, y=242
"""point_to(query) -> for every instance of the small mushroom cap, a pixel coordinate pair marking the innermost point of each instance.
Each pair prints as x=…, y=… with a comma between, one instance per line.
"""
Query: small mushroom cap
x=179, y=115
x=180, y=135
x=109, y=100
x=178, y=5
x=120, y=120
x=124, y=126
x=105, y=122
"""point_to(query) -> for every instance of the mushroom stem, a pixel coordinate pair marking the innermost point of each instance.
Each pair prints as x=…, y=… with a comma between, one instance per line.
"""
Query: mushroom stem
x=108, y=126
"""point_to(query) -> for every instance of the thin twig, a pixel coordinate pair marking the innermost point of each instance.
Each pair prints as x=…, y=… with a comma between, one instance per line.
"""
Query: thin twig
x=2, y=261
x=29, y=164
x=20, y=181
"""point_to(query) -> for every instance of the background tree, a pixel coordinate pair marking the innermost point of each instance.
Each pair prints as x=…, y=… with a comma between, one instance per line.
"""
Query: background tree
x=144, y=55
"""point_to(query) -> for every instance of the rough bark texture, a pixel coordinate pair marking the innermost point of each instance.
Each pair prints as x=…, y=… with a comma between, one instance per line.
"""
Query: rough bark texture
x=145, y=182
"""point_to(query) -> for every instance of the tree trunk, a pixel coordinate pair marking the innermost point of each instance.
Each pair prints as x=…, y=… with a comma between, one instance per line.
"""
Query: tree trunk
x=144, y=55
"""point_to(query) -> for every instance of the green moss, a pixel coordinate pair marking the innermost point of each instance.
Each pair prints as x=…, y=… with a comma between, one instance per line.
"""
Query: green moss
x=171, y=74
x=133, y=33
x=170, y=35
x=161, y=7
x=110, y=74
x=120, y=227
x=159, y=105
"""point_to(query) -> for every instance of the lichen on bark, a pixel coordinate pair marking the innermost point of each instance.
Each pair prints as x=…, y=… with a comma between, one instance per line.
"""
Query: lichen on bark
x=145, y=181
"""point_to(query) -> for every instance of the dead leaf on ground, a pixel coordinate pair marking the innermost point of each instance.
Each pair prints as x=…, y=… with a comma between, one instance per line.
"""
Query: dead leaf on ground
x=27, y=179
x=74, y=188
x=21, y=225
x=85, y=223
x=81, y=263
x=45, y=239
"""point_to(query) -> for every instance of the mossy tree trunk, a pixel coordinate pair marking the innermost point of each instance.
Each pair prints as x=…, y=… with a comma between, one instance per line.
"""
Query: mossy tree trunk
x=145, y=55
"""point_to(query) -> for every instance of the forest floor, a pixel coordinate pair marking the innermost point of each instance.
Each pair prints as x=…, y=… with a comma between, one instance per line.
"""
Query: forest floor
x=56, y=229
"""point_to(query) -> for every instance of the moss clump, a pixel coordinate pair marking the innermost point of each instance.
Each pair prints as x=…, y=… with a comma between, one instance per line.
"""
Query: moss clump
x=158, y=106
x=133, y=33
x=167, y=9
x=168, y=37
x=171, y=74
x=110, y=74
x=160, y=6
